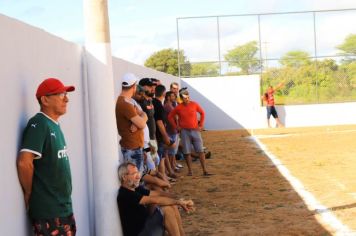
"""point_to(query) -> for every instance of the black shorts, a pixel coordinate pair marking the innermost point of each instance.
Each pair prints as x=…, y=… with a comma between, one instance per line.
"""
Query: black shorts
x=271, y=110
x=154, y=224
x=55, y=226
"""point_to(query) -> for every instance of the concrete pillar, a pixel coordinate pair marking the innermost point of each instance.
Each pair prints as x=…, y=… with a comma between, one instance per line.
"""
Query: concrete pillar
x=102, y=124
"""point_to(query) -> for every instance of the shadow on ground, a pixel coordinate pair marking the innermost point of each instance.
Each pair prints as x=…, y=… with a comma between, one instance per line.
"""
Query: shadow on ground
x=246, y=196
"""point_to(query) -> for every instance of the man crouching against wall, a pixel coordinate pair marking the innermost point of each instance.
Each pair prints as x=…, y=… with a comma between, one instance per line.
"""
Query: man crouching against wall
x=147, y=212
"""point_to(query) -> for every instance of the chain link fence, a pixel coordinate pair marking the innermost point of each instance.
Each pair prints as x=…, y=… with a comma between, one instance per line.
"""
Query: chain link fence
x=311, y=54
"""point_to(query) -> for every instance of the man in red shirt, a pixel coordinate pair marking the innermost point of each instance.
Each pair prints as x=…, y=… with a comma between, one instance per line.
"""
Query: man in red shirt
x=268, y=98
x=189, y=128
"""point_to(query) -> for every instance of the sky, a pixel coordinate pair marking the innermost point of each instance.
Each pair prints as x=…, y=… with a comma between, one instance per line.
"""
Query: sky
x=139, y=28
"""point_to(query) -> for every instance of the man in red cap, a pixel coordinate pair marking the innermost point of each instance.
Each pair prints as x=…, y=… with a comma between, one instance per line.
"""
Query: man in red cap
x=43, y=164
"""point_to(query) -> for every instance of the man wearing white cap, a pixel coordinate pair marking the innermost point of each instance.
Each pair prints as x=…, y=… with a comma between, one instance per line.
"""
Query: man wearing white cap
x=43, y=164
x=130, y=121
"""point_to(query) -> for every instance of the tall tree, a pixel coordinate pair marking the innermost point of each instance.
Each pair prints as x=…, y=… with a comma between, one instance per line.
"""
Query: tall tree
x=244, y=57
x=295, y=59
x=204, y=69
x=348, y=48
x=166, y=60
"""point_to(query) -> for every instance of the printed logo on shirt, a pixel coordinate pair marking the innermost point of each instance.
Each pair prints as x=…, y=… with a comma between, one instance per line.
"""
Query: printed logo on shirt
x=34, y=125
x=62, y=153
x=53, y=134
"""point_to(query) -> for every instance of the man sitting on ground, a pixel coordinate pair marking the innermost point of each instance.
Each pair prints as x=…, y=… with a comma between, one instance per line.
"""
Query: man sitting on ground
x=138, y=208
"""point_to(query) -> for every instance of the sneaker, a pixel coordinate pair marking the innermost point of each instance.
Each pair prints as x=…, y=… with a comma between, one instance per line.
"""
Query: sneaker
x=179, y=166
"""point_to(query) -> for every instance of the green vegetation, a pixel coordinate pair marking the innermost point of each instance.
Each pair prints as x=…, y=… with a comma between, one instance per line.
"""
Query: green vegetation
x=204, y=69
x=166, y=61
x=312, y=81
x=244, y=57
x=306, y=79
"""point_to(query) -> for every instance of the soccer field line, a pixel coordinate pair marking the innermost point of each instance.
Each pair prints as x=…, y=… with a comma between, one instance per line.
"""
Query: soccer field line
x=262, y=136
x=327, y=217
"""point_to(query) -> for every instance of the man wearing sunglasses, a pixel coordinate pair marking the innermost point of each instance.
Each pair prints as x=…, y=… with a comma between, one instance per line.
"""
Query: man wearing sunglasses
x=43, y=164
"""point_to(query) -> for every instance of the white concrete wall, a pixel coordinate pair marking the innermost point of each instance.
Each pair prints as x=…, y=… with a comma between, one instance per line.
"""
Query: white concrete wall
x=318, y=115
x=234, y=103
x=29, y=55
x=121, y=67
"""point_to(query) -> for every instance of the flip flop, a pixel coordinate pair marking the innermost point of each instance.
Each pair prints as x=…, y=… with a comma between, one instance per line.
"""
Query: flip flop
x=171, y=180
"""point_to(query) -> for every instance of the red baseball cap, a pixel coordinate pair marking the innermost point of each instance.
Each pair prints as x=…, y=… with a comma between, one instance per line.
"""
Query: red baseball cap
x=52, y=86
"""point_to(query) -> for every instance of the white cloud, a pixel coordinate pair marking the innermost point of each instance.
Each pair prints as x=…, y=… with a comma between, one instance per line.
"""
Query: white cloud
x=136, y=53
x=332, y=29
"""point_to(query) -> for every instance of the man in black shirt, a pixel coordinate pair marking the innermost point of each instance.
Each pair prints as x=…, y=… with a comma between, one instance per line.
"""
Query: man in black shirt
x=147, y=106
x=138, y=209
x=163, y=139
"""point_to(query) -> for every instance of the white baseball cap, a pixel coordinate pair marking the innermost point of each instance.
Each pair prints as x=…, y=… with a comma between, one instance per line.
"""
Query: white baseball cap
x=128, y=80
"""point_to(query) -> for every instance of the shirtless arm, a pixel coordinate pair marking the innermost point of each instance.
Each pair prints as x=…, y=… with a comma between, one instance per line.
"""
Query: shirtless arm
x=25, y=173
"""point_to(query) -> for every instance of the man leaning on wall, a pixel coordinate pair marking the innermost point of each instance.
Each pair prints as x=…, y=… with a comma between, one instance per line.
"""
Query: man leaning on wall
x=43, y=164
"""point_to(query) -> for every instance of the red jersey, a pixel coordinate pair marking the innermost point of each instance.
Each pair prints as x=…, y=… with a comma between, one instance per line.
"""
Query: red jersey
x=187, y=116
x=269, y=98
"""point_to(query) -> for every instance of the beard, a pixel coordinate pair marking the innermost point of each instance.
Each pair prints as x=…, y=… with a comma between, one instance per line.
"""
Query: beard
x=133, y=183
x=149, y=94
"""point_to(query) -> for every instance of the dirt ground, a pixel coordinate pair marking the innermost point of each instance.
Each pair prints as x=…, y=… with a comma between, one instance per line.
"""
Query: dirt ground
x=248, y=195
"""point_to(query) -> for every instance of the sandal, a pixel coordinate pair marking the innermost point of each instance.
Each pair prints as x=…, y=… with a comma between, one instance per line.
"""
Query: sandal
x=173, y=175
x=207, y=174
x=171, y=180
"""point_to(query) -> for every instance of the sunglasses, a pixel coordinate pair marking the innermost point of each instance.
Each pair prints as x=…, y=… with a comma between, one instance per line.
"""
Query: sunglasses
x=60, y=95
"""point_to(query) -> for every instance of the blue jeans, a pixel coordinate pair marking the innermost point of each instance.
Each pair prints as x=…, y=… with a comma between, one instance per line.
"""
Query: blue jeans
x=135, y=156
x=173, y=151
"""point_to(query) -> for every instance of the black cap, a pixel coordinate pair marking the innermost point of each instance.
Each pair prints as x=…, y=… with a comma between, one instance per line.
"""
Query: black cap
x=183, y=92
x=155, y=81
x=146, y=82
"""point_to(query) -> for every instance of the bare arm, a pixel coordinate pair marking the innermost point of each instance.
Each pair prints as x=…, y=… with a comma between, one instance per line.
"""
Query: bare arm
x=202, y=117
x=162, y=130
x=25, y=173
x=140, y=120
x=173, y=119
x=162, y=193
x=280, y=85
x=187, y=205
